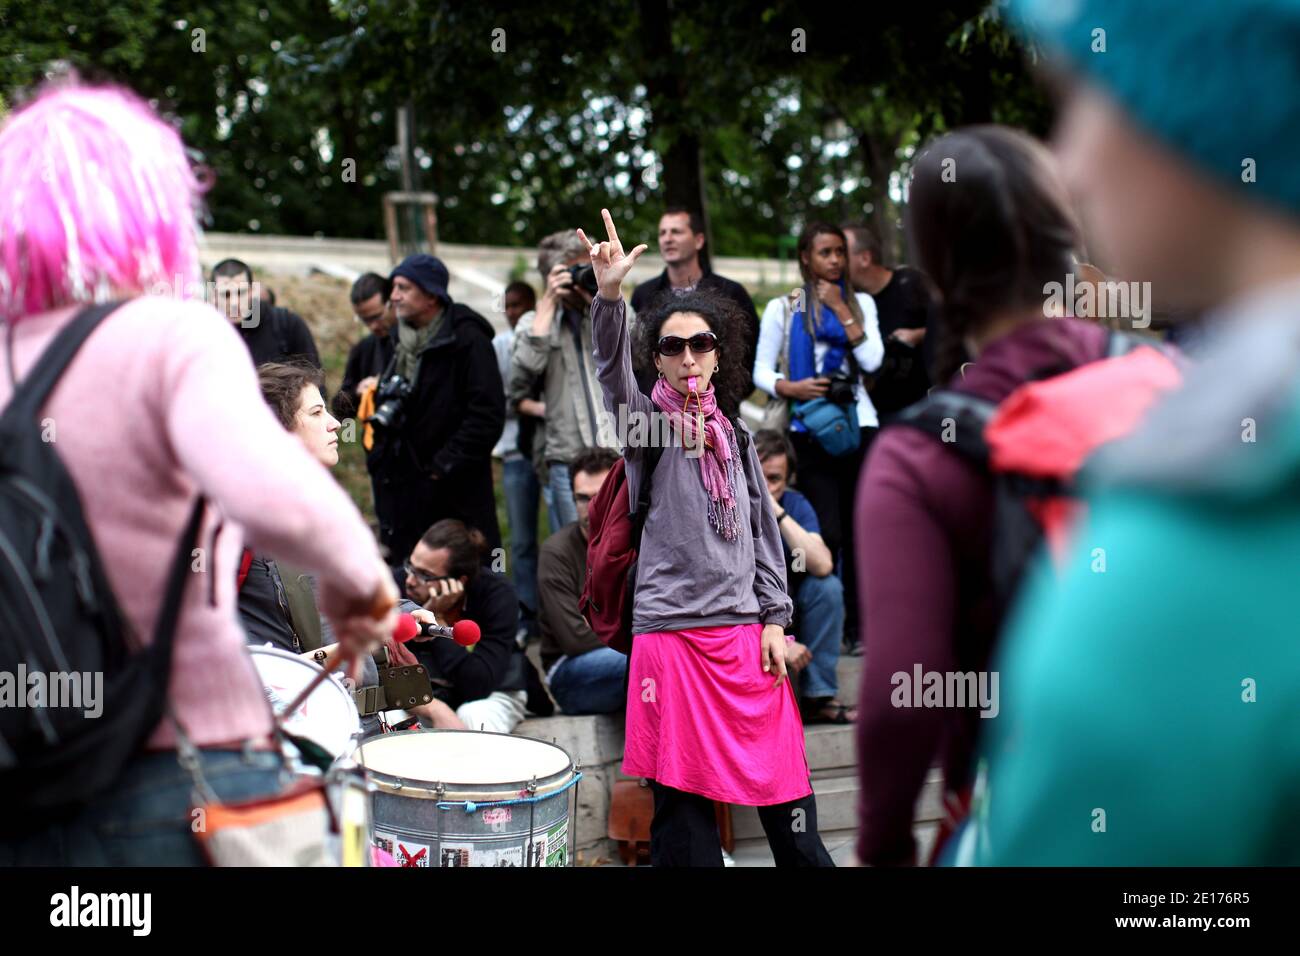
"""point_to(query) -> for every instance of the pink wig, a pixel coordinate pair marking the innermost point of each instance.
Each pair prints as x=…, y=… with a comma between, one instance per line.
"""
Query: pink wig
x=97, y=199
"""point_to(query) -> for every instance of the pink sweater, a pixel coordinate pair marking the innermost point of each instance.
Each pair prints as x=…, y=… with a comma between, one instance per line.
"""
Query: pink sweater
x=162, y=402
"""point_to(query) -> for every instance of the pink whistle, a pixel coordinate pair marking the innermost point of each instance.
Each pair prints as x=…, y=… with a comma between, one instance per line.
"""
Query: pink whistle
x=693, y=383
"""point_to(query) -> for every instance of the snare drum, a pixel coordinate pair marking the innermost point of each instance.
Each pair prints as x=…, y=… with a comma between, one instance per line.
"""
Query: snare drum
x=468, y=798
x=328, y=717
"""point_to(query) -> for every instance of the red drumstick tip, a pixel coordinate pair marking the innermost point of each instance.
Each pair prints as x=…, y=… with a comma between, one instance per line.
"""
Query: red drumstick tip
x=465, y=633
x=406, y=628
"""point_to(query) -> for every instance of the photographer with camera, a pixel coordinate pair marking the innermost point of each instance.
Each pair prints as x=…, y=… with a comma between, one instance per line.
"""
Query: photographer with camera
x=553, y=345
x=439, y=410
x=813, y=348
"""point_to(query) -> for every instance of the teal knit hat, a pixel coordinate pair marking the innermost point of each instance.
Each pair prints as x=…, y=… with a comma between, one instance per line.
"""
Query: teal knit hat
x=1218, y=82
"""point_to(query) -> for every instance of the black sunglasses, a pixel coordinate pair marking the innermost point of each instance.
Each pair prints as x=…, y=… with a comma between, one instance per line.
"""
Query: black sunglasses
x=699, y=342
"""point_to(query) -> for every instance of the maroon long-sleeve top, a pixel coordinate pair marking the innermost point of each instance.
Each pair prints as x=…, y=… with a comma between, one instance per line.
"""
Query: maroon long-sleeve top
x=923, y=538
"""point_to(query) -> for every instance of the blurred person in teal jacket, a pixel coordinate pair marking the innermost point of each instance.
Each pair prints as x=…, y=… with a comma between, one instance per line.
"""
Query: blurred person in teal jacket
x=1151, y=689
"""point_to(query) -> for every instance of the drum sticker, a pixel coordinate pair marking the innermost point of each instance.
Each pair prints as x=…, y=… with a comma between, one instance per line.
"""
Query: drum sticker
x=454, y=854
x=558, y=842
x=402, y=850
x=497, y=856
x=496, y=817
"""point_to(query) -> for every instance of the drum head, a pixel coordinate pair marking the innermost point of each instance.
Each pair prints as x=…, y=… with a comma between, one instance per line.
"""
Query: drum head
x=465, y=761
x=327, y=717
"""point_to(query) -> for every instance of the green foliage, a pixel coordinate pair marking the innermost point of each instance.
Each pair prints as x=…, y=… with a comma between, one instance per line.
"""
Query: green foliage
x=577, y=111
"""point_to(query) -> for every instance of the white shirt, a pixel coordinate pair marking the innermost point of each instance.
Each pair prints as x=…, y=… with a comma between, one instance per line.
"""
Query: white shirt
x=773, y=345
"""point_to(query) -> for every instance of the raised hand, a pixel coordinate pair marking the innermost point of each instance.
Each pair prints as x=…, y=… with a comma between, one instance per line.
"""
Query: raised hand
x=609, y=260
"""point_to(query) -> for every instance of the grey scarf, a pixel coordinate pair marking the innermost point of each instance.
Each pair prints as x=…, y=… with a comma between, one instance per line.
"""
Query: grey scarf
x=411, y=342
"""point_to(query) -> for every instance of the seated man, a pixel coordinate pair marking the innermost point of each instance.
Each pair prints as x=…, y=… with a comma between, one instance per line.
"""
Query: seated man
x=817, y=592
x=485, y=684
x=584, y=675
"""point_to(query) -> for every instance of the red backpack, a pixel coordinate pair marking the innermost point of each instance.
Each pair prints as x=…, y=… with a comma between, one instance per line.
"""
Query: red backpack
x=1035, y=441
x=614, y=538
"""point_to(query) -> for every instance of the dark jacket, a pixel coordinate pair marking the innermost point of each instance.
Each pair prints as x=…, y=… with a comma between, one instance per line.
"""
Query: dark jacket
x=649, y=293
x=439, y=464
x=279, y=335
x=496, y=662
x=368, y=357
x=561, y=573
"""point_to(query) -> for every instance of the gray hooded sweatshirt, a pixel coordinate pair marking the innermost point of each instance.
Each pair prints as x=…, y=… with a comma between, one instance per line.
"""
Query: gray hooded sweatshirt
x=688, y=575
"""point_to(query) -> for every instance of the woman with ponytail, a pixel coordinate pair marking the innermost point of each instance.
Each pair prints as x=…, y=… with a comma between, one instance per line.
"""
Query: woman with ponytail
x=990, y=241
x=710, y=714
x=818, y=343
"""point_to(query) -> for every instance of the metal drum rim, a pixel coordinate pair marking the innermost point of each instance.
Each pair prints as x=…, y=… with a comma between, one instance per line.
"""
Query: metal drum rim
x=456, y=792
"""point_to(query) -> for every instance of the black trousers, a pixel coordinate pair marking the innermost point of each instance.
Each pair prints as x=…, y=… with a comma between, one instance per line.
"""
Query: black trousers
x=684, y=831
x=831, y=484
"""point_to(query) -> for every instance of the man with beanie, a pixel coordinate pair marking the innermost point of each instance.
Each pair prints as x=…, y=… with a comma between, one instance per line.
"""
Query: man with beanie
x=439, y=410
x=1149, y=691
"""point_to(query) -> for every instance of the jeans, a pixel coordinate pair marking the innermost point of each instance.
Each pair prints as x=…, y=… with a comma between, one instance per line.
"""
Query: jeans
x=830, y=484
x=563, y=509
x=522, y=491
x=590, y=683
x=145, y=819
x=819, y=608
x=684, y=831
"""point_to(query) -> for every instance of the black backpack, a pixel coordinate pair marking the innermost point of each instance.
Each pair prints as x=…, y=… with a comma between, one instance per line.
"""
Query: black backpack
x=59, y=621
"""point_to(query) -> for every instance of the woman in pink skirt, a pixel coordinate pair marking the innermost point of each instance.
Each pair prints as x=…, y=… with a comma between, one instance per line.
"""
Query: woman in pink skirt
x=710, y=714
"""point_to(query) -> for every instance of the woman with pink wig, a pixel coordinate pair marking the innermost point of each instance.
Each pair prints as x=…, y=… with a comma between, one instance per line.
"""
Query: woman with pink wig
x=99, y=205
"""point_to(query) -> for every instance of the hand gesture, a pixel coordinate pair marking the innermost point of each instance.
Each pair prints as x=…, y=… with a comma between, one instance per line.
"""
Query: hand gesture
x=773, y=652
x=829, y=293
x=609, y=260
x=444, y=595
x=559, y=283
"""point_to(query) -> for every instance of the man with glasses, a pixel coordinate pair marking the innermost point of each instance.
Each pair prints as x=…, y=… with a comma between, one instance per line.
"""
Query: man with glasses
x=486, y=684
x=368, y=357
x=271, y=333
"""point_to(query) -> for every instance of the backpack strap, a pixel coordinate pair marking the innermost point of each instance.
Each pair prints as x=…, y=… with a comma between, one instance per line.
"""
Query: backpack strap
x=164, y=631
x=31, y=394
x=642, y=508
x=957, y=419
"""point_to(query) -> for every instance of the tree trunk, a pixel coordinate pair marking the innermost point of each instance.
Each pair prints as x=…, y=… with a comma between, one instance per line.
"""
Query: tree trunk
x=878, y=161
x=665, y=83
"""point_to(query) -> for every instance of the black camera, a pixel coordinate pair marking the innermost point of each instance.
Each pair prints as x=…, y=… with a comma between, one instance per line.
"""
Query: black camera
x=389, y=398
x=840, y=390
x=584, y=277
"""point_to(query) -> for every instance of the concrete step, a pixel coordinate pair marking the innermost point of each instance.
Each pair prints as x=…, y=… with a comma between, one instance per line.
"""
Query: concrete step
x=837, y=805
x=839, y=844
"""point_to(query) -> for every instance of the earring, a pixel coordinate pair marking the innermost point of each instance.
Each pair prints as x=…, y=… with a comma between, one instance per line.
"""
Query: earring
x=661, y=373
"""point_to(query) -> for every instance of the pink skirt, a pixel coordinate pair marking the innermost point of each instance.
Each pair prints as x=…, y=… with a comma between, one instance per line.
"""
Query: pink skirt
x=704, y=718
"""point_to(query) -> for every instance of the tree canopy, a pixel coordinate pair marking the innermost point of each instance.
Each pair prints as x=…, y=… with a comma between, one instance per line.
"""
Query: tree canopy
x=761, y=114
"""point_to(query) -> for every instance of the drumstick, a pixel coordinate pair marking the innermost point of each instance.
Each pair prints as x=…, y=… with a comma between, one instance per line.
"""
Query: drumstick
x=378, y=610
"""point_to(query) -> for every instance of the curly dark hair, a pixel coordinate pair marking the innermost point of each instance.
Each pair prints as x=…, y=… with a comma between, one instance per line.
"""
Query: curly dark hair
x=282, y=384
x=732, y=382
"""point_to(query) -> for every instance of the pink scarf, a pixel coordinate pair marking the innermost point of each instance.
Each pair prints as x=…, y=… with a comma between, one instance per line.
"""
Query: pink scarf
x=720, y=462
